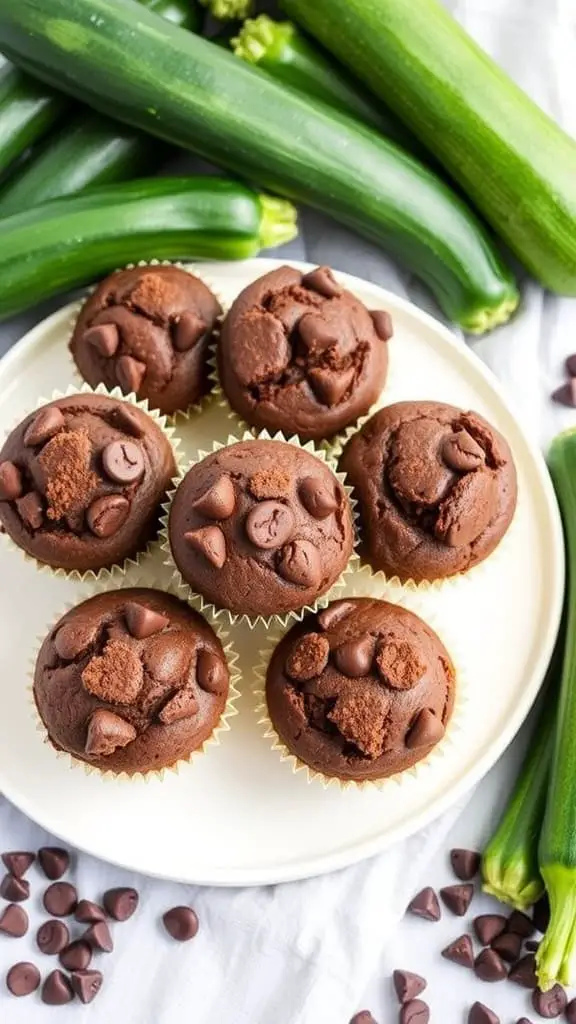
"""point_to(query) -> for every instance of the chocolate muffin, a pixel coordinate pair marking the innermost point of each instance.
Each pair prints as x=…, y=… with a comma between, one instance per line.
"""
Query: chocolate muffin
x=131, y=681
x=148, y=330
x=300, y=354
x=82, y=481
x=260, y=528
x=362, y=690
x=436, y=489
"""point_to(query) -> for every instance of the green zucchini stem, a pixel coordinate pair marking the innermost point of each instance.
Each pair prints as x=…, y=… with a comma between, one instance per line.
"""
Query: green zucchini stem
x=556, y=957
x=487, y=319
x=279, y=222
x=229, y=10
x=261, y=37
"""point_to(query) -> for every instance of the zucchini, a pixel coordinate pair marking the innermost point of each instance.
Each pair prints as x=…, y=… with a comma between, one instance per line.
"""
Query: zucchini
x=556, y=958
x=28, y=110
x=511, y=159
x=229, y=10
x=71, y=241
x=196, y=95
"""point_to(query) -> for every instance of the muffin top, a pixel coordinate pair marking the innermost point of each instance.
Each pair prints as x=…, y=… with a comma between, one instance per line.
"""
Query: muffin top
x=260, y=528
x=147, y=330
x=361, y=690
x=81, y=481
x=300, y=354
x=131, y=681
x=436, y=489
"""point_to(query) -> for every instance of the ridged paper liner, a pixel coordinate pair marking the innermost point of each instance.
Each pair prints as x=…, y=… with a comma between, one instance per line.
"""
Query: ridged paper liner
x=197, y=407
x=118, y=571
x=364, y=586
x=252, y=621
x=222, y=726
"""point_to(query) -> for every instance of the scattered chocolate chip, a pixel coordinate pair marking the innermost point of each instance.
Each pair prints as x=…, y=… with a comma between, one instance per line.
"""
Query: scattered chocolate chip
x=566, y=394
x=219, y=501
x=480, y=1014
x=13, y=889
x=488, y=966
x=143, y=622
x=181, y=923
x=382, y=323
x=316, y=334
x=462, y=453
x=107, y=515
x=188, y=330
x=211, y=673
x=22, y=979
x=88, y=913
x=323, y=281
x=210, y=542
x=120, y=903
x=364, y=1017
x=54, y=862
x=57, y=990
x=105, y=338
x=86, y=984
x=426, y=730
x=76, y=956
x=521, y=924
x=330, y=386
x=10, y=482
x=182, y=705
x=46, y=424
x=127, y=419
x=425, y=904
x=318, y=499
x=415, y=1012
x=531, y=946
x=460, y=952
x=334, y=613
x=355, y=658
x=489, y=926
x=123, y=462
x=31, y=510
x=541, y=914
x=60, y=899
x=570, y=365
x=570, y=1013
x=524, y=972
x=465, y=864
x=52, y=937
x=508, y=946
x=99, y=937
x=523, y=1020
x=550, y=1004
x=269, y=525
x=106, y=732
x=130, y=373
x=299, y=563
x=18, y=862
x=408, y=985
x=13, y=921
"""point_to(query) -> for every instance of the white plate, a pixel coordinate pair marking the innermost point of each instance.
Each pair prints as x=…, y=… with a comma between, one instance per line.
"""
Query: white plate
x=239, y=816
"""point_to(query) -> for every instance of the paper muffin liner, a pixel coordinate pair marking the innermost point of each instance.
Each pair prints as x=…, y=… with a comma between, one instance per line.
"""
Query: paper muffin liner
x=215, y=738
x=230, y=617
x=365, y=584
x=116, y=572
x=197, y=407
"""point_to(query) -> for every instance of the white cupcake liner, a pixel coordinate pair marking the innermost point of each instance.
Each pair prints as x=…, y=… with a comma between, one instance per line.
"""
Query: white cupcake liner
x=252, y=621
x=116, y=572
x=215, y=737
x=365, y=584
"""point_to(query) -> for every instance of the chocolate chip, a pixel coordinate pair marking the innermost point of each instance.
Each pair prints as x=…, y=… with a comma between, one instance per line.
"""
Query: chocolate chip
x=408, y=985
x=425, y=904
x=18, y=862
x=52, y=937
x=130, y=373
x=460, y=952
x=54, y=861
x=123, y=461
x=465, y=864
x=457, y=898
x=105, y=338
x=14, y=921
x=88, y=913
x=461, y=452
x=318, y=499
x=219, y=501
x=107, y=515
x=143, y=622
x=269, y=525
x=334, y=613
x=570, y=1013
x=60, y=899
x=106, y=732
x=524, y=1020
x=308, y=658
x=532, y=946
x=425, y=731
x=489, y=967
x=299, y=563
x=364, y=1017
x=181, y=923
x=57, y=990
x=210, y=542
x=188, y=330
x=73, y=638
x=415, y=1012
x=541, y=914
x=480, y=1014
x=550, y=1004
x=316, y=334
x=382, y=323
x=31, y=510
x=16, y=890
x=76, y=956
x=524, y=972
x=211, y=673
x=508, y=946
x=86, y=984
x=329, y=385
x=182, y=705
x=521, y=924
x=10, y=482
x=128, y=420
x=323, y=281
x=355, y=658
x=22, y=979
x=46, y=424
x=566, y=394
x=98, y=936
x=489, y=926
x=120, y=903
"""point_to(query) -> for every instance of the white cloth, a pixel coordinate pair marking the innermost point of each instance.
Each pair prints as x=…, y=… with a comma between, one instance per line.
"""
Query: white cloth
x=304, y=953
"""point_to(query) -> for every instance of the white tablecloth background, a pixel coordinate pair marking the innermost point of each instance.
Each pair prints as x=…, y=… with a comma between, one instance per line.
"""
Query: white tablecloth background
x=313, y=952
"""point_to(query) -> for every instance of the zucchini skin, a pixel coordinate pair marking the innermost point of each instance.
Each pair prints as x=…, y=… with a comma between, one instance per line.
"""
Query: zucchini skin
x=28, y=110
x=511, y=159
x=202, y=98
